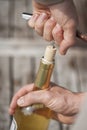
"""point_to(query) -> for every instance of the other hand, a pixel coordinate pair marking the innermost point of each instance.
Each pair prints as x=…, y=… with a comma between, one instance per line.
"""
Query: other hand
x=57, y=22
x=65, y=103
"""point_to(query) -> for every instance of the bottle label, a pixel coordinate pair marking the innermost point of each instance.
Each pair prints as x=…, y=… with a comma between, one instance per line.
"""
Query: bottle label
x=13, y=125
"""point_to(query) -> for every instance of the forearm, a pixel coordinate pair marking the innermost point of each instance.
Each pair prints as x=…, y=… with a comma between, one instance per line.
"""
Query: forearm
x=49, y=2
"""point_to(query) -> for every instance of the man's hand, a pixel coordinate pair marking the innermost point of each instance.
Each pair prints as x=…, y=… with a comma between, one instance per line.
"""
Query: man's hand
x=65, y=103
x=56, y=22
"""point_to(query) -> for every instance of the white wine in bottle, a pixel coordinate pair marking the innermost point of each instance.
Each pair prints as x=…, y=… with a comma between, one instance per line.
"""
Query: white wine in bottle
x=37, y=116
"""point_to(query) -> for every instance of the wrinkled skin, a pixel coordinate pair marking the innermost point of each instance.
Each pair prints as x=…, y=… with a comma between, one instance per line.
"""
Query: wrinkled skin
x=56, y=22
x=65, y=103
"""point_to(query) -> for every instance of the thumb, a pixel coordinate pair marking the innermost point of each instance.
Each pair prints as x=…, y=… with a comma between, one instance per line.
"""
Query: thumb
x=41, y=96
x=68, y=41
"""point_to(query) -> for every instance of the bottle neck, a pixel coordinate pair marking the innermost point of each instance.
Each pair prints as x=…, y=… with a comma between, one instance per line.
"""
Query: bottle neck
x=44, y=74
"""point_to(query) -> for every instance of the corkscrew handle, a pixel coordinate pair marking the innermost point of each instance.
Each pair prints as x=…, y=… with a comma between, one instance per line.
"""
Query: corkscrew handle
x=79, y=35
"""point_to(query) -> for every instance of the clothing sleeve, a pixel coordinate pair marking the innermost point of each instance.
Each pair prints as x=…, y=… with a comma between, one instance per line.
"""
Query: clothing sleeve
x=49, y=2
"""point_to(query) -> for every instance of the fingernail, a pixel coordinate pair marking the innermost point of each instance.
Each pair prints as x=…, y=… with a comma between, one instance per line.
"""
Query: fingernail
x=43, y=16
x=20, y=101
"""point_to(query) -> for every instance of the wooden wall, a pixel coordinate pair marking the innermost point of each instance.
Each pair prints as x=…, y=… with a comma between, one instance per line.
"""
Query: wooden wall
x=11, y=22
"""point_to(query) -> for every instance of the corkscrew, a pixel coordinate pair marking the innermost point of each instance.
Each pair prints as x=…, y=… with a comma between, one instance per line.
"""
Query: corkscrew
x=79, y=34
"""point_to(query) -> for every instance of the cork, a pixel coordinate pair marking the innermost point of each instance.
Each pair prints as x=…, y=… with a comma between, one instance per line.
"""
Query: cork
x=50, y=53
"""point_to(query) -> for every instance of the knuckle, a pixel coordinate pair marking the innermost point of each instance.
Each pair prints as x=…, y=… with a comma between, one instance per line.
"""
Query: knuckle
x=48, y=27
x=55, y=32
x=49, y=24
x=39, y=25
x=39, y=29
x=47, y=97
x=28, y=96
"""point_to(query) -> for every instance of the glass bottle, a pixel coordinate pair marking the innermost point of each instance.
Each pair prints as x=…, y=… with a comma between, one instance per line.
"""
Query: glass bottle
x=37, y=116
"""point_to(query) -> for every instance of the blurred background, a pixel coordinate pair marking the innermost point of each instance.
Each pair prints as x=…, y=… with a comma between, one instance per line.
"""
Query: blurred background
x=21, y=49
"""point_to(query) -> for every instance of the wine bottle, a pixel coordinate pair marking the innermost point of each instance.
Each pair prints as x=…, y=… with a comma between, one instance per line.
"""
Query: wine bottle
x=37, y=116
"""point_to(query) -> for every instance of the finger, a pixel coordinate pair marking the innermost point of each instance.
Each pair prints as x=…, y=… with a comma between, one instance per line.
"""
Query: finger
x=19, y=94
x=32, y=21
x=41, y=96
x=49, y=25
x=66, y=119
x=39, y=25
x=69, y=39
x=57, y=34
